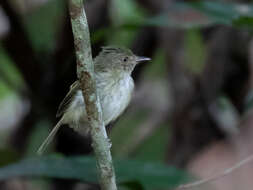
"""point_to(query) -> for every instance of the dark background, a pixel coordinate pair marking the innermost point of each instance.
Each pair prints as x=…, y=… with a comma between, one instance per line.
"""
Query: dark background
x=192, y=103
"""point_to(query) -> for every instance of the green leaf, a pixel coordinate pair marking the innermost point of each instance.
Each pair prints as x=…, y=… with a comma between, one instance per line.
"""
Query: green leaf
x=219, y=12
x=148, y=174
x=202, y=14
x=178, y=15
x=51, y=166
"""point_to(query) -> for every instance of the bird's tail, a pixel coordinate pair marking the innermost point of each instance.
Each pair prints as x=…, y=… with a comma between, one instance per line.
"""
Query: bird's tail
x=49, y=138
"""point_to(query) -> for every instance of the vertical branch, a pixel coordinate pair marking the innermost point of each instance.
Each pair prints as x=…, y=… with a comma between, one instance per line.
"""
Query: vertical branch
x=86, y=76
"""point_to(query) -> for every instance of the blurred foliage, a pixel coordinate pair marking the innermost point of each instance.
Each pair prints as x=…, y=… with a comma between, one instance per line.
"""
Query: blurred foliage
x=126, y=19
x=227, y=116
x=155, y=147
x=195, y=51
x=185, y=15
x=200, y=14
x=218, y=12
x=4, y=89
x=124, y=129
x=150, y=175
x=42, y=24
x=8, y=156
x=121, y=13
x=133, y=185
x=157, y=67
x=10, y=78
x=248, y=103
x=38, y=135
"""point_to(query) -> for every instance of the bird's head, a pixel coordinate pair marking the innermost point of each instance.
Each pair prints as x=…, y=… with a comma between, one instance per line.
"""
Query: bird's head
x=117, y=59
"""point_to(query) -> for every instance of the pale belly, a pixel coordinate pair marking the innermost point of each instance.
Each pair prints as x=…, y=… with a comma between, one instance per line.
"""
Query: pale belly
x=116, y=101
x=113, y=103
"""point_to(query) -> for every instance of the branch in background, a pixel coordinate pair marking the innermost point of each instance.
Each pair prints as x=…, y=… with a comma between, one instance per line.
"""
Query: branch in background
x=85, y=73
x=218, y=176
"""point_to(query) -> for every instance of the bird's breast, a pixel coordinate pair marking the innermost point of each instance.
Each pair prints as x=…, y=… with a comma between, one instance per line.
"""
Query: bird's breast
x=115, y=97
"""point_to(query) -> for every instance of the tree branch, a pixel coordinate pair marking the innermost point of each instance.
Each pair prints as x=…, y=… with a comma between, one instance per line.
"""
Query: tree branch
x=217, y=176
x=86, y=76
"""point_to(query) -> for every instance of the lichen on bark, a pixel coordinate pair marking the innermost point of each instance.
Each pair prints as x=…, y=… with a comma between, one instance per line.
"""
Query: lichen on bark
x=85, y=74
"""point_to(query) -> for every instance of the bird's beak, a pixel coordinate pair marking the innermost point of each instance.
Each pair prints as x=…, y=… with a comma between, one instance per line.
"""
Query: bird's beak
x=141, y=58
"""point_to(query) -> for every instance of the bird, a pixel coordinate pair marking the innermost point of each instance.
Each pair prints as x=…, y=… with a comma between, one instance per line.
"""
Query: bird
x=113, y=68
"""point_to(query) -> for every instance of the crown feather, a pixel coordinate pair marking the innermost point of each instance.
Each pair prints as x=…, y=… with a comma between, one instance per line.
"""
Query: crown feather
x=115, y=49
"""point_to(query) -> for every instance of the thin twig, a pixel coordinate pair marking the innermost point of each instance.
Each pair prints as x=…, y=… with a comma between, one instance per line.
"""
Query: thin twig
x=218, y=176
x=85, y=73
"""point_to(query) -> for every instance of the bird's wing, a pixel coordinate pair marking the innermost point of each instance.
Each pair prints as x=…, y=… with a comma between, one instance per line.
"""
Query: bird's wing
x=68, y=98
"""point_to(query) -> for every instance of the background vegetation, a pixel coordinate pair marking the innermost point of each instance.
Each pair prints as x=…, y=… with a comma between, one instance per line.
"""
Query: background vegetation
x=191, y=112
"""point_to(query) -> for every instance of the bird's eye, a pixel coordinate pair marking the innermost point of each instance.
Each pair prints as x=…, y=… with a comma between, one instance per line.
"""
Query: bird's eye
x=125, y=59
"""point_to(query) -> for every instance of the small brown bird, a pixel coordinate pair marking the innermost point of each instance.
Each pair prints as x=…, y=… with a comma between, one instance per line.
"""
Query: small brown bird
x=113, y=67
